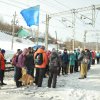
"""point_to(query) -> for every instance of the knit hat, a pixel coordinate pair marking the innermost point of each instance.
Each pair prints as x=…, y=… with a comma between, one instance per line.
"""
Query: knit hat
x=2, y=51
x=42, y=47
x=53, y=50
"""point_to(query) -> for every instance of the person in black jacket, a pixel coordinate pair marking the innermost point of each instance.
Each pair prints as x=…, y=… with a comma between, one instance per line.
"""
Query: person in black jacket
x=53, y=68
x=29, y=62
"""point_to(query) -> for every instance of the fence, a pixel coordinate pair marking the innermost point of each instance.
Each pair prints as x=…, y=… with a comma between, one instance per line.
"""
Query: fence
x=9, y=71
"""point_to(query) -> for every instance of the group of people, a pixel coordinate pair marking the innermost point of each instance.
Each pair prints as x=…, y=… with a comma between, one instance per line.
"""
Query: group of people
x=41, y=63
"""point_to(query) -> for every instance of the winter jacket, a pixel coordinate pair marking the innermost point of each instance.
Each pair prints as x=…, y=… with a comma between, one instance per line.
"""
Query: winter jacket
x=93, y=54
x=54, y=60
x=72, y=59
x=21, y=58
x=97, y=55
x=2, y=62
x=83, y=57
x=21, y=61
x=65, y=58
x=45, y=59
x=29, y=61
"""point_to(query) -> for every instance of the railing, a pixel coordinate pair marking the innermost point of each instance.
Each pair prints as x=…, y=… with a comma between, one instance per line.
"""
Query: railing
x=9, y=67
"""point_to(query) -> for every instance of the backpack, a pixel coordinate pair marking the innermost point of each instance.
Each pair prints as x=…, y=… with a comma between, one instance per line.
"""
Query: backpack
x=15, y=60
x=53, y=64
x=85, y=60
x=38, y=59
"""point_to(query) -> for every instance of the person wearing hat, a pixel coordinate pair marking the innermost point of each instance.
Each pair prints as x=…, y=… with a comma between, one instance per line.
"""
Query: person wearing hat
x=2, y=67
x=40, y=60
x=65, y=61
x=53, y=68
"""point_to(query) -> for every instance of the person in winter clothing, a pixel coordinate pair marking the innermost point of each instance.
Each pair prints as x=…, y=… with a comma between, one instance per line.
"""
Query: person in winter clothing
x=40, y=68
x=98, y=57
x=83, y=57
x=47, y=66
x=2, y=66
x=65, y=62
x=29, y=62
x=19, y=65
x=89, y=56
x=93, y=57
x=60, y=65
x=17, y=70
x=76, y=61
x=72, y=61
x=53, y=68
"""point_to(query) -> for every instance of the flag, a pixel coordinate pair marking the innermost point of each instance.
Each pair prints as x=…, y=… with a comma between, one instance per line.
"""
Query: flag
x=31, y=15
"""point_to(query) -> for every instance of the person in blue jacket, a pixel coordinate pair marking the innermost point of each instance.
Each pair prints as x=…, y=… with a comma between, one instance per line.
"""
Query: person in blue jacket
x=65, y=62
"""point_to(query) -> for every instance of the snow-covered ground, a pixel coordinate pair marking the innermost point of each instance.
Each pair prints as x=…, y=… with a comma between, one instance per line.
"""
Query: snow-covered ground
x=69, y=87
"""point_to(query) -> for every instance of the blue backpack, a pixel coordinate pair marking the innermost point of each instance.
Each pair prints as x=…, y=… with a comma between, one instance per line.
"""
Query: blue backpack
x=38, y=59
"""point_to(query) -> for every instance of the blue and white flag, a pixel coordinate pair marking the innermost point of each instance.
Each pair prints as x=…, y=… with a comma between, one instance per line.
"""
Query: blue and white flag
x=31, y=15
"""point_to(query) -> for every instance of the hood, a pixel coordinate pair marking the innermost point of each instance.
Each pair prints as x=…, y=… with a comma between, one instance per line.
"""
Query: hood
x=40, y=50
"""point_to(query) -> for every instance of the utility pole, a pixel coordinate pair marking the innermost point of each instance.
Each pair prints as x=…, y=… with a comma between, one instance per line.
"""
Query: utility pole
x=85, y=39
x=73, y=26
x=46, y=31
x=97, y=36
x=56, y=40
x=14, y=17
x=93, y=16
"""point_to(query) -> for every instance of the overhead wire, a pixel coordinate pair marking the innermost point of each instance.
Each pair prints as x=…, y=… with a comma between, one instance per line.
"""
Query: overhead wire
x=62, y=4
x=26, y=4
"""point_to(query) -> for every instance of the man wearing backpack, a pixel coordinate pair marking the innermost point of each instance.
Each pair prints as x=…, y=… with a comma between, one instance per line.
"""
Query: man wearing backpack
x=40, y=60
x=84, y=58
x=54, y=65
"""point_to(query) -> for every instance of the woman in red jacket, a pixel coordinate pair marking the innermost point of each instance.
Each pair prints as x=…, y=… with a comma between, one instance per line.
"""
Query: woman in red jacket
x=2, y=66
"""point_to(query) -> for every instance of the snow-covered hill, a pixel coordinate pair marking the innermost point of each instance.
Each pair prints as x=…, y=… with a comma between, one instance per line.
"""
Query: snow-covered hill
x=6, y=42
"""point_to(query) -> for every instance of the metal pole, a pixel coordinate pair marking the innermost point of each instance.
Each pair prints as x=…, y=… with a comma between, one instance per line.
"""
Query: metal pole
x=13, y=30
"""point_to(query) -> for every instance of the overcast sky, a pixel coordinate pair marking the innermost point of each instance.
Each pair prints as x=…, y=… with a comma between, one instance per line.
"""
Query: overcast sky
x=8, y=7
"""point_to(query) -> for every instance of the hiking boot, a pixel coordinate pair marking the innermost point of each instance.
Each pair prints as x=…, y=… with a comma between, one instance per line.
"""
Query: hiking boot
x=85, y=76
x=3, y=84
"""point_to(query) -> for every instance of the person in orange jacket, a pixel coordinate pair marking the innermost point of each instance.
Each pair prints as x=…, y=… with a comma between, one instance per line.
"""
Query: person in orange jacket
x=2, y=66
x=40, y=66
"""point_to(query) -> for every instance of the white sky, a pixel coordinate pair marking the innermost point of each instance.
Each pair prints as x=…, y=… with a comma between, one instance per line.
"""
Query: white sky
x=8, y=7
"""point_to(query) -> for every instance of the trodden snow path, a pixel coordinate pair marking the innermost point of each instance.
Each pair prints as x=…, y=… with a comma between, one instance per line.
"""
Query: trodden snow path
x=69, y=87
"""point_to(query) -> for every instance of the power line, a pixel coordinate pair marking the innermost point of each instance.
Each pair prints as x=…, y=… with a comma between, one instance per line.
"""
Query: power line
x=62, y=4
x=10, y=4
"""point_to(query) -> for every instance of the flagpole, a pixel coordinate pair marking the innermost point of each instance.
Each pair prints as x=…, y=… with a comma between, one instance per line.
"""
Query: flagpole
x=37, y=34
